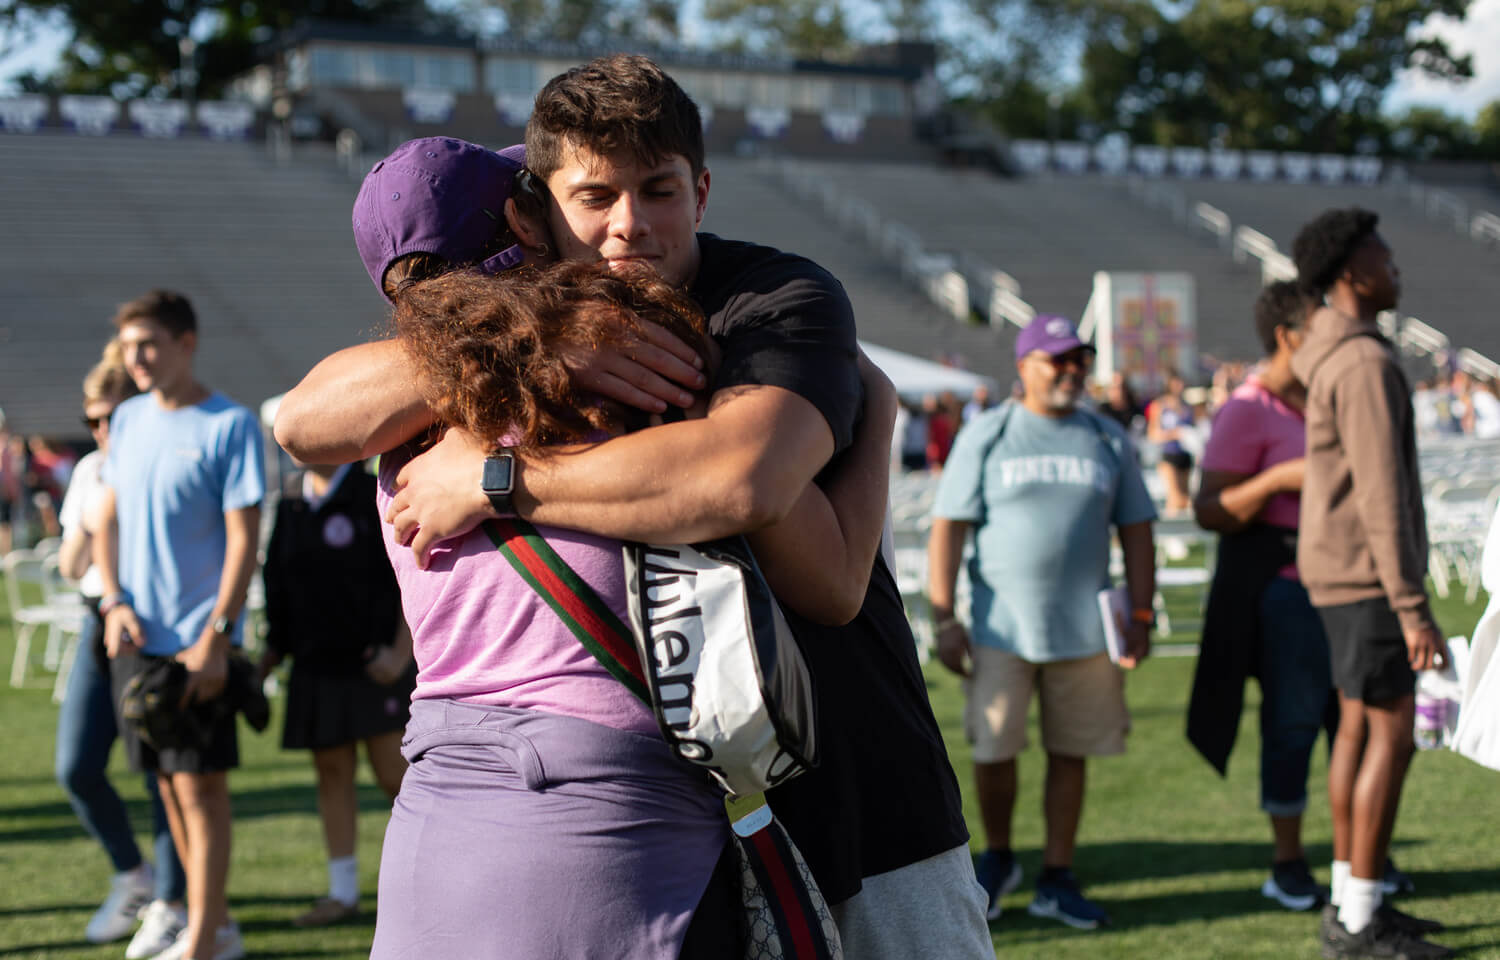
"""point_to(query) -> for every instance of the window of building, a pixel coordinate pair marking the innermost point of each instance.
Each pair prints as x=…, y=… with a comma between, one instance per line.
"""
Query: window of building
x=333, y=67
x=388, y=68
x=513, y=76
x=446, y=71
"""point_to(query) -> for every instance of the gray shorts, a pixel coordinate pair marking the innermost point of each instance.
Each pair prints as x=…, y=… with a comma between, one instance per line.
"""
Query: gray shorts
x=933, y=908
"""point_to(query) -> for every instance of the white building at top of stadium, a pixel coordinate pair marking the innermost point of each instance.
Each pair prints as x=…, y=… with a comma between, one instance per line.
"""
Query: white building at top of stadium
x=389, y=83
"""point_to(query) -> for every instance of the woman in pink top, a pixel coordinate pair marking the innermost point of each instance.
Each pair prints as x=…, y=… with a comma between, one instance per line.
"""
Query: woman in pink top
x=1259, y=619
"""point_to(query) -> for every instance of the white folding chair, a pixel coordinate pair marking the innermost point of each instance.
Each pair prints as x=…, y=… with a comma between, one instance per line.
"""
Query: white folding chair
x=23, y=575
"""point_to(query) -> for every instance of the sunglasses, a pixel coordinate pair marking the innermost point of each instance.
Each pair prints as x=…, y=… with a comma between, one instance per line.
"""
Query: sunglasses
x=94, y=423
x=1081, y=358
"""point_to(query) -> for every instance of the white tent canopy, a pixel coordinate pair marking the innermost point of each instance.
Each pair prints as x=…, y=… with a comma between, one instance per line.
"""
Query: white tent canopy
x=915, y=378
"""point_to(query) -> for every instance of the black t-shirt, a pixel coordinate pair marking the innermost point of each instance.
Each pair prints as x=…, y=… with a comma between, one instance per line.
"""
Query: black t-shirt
x=884, y=794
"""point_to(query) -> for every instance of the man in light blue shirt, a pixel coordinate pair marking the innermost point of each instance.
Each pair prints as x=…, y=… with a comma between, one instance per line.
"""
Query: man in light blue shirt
x=1041, y=482
x=181, y=511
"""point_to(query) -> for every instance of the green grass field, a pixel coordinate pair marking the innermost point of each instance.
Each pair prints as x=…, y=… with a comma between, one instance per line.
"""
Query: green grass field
x=1176, y=854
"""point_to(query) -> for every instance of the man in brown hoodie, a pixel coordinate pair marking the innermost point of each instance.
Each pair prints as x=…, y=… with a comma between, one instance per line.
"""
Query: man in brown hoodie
x=1362, y=553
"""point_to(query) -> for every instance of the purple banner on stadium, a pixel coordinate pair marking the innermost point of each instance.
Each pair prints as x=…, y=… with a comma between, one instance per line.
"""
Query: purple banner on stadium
x=226, y=119
x=94, y=116
x=844, y=126
x=768, y=123
x=158, y=118
x=428, y=106
x=24, y=113
x=514, y=108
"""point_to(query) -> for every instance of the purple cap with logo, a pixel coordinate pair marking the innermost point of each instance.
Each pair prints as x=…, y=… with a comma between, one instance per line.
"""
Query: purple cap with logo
x=1049, y=333
x=437, y=195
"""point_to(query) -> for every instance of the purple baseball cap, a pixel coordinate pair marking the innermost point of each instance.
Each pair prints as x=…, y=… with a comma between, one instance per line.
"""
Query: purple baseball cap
x=1051, y=334
x=437, y=195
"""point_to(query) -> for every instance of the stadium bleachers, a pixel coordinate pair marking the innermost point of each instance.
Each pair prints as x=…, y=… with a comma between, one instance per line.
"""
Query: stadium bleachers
x=263, y=251
x=746, y=203
x=1447, y=280
x=1052, y=233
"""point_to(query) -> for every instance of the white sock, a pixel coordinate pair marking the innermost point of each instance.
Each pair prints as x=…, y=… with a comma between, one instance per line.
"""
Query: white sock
x=1336, y=885
x=1361, y=897
x=343, y=879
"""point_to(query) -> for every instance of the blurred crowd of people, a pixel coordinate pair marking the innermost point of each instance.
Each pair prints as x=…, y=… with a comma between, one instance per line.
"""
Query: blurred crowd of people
x=34, y=472
x=1170, y=427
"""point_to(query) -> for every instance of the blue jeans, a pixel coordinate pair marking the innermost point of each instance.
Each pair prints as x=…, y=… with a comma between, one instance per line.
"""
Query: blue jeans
x=86, y=732
x=1297, y=696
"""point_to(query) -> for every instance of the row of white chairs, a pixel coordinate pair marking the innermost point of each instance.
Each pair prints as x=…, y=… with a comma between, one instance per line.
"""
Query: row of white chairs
x=43, y=604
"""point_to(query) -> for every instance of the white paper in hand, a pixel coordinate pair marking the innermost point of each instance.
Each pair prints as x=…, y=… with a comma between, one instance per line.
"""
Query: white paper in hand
x=1114, y=611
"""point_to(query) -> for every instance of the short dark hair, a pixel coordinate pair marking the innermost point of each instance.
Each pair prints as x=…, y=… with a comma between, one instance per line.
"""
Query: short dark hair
x=166, y=307
x=614, y=103
x=1281, y=304
x=1323, y=246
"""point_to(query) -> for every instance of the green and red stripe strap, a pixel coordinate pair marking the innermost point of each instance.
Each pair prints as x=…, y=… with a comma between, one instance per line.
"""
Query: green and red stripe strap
x=587, y=616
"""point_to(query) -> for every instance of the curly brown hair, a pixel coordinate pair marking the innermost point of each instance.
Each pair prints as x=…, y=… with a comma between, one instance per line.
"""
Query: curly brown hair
x=491, y=350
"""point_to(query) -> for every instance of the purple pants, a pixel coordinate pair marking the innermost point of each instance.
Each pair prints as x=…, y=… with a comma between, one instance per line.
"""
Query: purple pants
x=528, y=835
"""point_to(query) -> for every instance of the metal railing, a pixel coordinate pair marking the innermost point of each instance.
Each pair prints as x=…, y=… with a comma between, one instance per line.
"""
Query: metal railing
x=1213, y=220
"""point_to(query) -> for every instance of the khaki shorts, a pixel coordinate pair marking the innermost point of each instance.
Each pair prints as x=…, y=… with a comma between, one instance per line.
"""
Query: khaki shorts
x=1083, y=705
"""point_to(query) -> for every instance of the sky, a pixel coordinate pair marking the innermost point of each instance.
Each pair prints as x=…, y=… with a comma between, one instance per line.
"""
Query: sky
x=1478, y=35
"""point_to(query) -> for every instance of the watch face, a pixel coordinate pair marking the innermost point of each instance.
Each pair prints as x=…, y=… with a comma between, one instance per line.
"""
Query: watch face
x=497, y=474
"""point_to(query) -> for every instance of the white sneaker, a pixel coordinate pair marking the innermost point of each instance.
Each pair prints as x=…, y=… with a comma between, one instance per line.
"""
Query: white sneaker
x=228, y=945
x=160, y=925
x=129, y=892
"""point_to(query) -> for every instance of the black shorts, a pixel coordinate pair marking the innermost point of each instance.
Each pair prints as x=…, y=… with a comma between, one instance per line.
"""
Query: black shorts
x=221, y=753
x=1180, y=459
x=1368, y=649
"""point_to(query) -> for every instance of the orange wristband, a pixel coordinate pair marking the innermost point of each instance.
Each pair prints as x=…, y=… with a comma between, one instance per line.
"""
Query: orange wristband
x=1143, y=616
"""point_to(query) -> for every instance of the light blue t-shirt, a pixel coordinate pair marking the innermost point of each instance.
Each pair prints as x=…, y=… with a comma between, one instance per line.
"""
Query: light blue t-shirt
x=1041, y=494
x=175, y=473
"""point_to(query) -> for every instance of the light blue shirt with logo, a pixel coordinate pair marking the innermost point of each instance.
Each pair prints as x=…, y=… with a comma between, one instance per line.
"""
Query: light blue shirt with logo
x=1042, y=494
x=175, y=473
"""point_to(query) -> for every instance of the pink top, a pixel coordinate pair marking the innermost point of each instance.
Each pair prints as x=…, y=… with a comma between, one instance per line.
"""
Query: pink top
x=480, y=634
x=1254, y=431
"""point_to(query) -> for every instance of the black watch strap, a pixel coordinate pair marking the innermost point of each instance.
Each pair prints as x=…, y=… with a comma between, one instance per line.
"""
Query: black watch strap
x=498, y=482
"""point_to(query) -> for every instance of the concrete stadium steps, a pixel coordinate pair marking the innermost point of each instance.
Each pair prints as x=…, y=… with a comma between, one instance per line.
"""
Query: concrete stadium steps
x=1447, y=280
x=1053, y=233
x=745, y=203
x=263, y=251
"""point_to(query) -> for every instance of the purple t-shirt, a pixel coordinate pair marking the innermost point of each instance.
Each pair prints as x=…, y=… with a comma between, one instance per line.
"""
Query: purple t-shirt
x=1254, y=431
x=481, y=634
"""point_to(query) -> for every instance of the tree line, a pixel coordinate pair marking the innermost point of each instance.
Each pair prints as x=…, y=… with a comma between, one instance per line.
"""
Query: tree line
x=1259, y=74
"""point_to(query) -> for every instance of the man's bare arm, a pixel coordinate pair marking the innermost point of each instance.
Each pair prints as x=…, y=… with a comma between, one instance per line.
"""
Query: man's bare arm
x=367, y=399
x=945, y=550
x=354, y=404
x=1138, y=544
x=738, y=470
x=818, y=560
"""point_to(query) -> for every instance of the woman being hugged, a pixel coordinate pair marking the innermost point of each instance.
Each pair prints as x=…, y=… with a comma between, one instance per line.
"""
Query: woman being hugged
x=542, y=813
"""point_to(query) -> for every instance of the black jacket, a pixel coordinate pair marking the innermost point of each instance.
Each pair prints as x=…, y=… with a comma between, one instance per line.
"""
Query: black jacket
x=1228, y=652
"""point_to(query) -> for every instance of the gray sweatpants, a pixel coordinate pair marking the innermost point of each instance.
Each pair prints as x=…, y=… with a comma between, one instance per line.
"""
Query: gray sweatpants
x=929, y=910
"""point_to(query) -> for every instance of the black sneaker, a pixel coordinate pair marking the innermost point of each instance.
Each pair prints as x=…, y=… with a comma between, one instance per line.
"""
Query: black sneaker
x=1379, y=941
x=1395, y=882
x=1291, y=884
x=1405, y=922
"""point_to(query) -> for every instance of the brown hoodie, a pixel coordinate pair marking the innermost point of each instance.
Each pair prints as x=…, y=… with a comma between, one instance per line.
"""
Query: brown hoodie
x=1363, y=532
